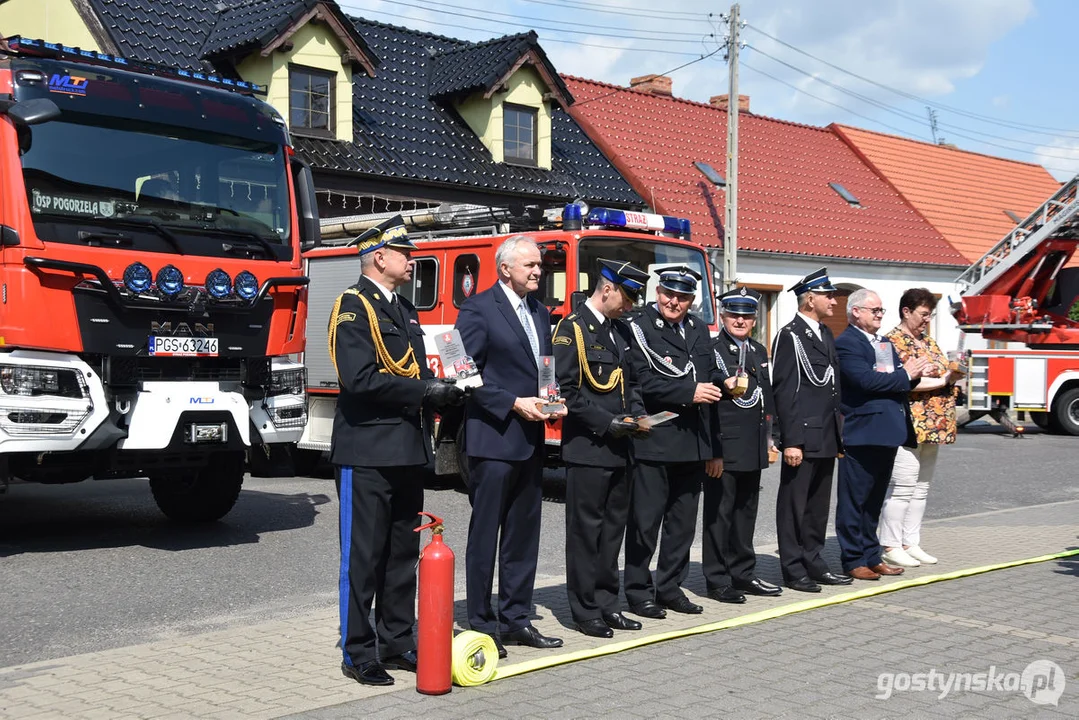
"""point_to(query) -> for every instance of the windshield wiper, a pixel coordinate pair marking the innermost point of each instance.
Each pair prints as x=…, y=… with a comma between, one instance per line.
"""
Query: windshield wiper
x=147, y=221
x=263, y=243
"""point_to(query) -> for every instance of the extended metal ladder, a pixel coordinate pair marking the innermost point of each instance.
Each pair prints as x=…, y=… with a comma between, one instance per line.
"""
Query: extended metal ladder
x=1056, y=215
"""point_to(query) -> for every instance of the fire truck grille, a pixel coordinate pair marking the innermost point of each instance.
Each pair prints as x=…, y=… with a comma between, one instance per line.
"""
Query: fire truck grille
x=128, y=371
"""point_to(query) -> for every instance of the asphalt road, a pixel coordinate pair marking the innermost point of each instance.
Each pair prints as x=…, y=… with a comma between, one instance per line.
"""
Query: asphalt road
x=92, y=566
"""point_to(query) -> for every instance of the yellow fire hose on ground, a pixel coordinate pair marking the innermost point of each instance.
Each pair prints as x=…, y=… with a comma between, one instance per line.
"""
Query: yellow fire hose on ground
x=475, y=658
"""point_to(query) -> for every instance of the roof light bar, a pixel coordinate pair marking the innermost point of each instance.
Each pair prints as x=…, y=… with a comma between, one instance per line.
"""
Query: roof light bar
x=40, y=48
x=664, y=224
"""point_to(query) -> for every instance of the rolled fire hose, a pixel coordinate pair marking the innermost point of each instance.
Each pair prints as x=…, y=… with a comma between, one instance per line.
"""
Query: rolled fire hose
x=475, y=658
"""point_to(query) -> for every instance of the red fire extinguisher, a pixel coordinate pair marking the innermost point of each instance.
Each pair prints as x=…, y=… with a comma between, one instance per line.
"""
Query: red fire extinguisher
x=434, y=650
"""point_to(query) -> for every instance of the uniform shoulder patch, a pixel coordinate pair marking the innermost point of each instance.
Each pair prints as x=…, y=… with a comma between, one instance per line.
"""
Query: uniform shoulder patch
x=562, y=340
x=345, y=317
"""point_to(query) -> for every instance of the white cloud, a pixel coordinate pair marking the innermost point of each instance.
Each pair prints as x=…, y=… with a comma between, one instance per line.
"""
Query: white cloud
x=1001, y=101
x=1060, y=157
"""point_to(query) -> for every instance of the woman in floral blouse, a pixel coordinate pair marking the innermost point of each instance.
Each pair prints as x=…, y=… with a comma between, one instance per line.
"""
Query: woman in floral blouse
x=932, y=404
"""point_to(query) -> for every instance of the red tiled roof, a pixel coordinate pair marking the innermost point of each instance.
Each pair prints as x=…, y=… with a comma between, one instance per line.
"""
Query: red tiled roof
x=785, y=204
x=963, y=194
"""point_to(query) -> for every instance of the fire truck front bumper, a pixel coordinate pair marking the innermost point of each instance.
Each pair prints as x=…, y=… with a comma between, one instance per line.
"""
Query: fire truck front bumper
x=49, y=402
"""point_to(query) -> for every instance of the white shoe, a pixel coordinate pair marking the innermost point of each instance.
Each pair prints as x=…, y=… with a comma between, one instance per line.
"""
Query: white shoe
x=899, y=556
x=921, y=555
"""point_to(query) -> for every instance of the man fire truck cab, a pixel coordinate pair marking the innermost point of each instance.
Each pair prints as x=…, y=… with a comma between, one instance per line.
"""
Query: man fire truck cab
x=151, y=223
x=450, y=269
x=1021, y=292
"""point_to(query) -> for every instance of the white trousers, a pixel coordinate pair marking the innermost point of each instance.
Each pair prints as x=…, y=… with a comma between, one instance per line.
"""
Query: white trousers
x=904, y=505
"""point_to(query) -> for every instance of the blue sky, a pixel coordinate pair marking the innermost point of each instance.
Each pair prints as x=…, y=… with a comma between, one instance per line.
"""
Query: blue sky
x=999, y=73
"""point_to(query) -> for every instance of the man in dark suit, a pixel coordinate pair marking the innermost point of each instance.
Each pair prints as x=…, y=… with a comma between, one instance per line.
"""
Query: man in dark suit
x=876, y=421
x=379, y=448
x=804, y=369
x=671, y=357
x=506, y=331
x=743, y=436
x=604, y=402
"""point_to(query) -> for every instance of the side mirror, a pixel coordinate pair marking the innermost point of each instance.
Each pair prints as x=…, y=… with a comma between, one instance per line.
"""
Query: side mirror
x=33, y=112
x=306, y=204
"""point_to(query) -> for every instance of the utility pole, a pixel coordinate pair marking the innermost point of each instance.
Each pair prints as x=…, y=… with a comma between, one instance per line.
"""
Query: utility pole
x=730, y=237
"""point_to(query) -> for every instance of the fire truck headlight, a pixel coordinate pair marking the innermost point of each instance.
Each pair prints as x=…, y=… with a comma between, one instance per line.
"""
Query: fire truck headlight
x=247, y=285
x=288, y=382
x=218, y=284
x=28, y=381
x=137, y=278
x=170, y=281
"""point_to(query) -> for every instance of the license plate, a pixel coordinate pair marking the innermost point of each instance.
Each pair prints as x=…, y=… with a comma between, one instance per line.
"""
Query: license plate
x=183, y=346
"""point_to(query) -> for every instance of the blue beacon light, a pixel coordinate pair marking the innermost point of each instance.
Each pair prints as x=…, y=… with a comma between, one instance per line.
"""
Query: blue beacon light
x=218, y=284
x=571, y=217
x=137, y=278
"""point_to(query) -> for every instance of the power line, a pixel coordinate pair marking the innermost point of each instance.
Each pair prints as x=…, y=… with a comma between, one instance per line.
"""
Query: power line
x=590, y=33
x=665, y=72
x=910, y=116
x=975, y=116
x=605, y=9
x=439, y=24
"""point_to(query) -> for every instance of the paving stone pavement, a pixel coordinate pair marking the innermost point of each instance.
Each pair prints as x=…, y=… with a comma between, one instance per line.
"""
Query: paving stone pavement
x=820, y=663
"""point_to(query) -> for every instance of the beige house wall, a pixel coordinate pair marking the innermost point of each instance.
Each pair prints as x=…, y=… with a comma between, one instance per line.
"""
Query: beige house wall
x=50, y=20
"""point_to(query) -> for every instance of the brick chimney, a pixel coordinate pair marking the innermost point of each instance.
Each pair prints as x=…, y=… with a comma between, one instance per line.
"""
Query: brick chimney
x=723, y=102
x=653, y=84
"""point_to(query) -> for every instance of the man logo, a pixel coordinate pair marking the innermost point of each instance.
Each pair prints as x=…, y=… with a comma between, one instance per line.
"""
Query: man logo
x=181, y=329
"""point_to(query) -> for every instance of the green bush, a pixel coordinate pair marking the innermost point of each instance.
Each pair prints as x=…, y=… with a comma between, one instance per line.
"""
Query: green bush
x=1073, y=314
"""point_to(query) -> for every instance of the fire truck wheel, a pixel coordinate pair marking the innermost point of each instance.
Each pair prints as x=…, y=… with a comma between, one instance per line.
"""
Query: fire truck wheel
x=1066, y=412
x=462, y=459
x=199, y=495
x=1041, y=419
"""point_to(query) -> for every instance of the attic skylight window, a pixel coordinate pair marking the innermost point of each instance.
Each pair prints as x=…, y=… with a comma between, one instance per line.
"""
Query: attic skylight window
x=1014, y=216
x=710, y=172
x=845, y=194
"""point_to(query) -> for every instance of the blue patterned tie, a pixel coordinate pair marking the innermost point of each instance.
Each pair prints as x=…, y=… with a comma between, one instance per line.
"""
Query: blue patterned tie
x=522, y=314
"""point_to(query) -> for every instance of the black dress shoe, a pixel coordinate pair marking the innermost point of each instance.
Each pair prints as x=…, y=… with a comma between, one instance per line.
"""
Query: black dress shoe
x=756, y=586
x=648, y=609
x=831, y=578
x=531, y=637
x=368, y=673
x=682, y=604
x=727, y=594
x=404, y=661
x=803, y=584
x=500, y=647
x=595, y=628
x=618, y=621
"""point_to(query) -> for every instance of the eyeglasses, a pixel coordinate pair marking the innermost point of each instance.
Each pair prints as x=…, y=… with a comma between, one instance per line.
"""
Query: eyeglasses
x=878, y=311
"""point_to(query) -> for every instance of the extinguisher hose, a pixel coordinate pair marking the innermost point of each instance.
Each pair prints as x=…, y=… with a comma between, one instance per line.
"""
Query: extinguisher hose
x=475, y=658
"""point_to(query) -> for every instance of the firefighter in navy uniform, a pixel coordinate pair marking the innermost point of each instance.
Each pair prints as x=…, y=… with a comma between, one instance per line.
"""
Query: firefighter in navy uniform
x=805, y=370
x=603, y=403
x=744, y=434
x=379, y=450
x=671, y=357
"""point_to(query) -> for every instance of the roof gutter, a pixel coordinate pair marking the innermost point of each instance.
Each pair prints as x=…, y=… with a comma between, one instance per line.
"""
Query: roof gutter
x=857, y=261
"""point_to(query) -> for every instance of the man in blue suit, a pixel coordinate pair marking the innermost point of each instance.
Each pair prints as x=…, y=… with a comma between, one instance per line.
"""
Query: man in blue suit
x=506, y=331
x=876, y=421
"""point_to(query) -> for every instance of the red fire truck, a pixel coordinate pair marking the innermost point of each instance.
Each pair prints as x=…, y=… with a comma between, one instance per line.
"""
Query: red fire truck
x=1022, y=292
x=450, y=269
x=151, y=224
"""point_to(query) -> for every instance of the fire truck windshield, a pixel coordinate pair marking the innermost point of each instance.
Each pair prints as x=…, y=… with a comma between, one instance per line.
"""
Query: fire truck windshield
x=160, y=188
x=652, y=256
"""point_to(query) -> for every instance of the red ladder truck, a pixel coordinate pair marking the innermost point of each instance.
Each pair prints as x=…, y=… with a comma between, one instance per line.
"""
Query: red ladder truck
x=1021, y=291
x=151, y=224
x=450, y=268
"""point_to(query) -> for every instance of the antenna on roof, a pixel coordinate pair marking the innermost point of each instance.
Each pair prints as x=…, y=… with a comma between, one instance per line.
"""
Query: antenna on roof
x=933, y=125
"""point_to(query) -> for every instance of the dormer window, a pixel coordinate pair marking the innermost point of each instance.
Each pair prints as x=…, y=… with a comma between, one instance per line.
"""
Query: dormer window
x=311, y=101
x=519, y=134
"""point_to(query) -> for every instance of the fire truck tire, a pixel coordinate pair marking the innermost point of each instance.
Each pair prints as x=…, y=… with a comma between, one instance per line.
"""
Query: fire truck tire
x=1066, y=412
x=199, y=495
x=1041, y=419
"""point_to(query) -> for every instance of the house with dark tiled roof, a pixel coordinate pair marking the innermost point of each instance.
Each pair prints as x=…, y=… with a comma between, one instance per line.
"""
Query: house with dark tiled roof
x=389, y=119
x=805, y=197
